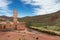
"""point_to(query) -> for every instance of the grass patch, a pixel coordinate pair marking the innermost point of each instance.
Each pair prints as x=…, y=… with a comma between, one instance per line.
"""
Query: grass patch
x=53, y=30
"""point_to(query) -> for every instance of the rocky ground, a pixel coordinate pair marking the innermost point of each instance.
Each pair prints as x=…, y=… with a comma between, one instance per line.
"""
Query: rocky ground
x=26, y=35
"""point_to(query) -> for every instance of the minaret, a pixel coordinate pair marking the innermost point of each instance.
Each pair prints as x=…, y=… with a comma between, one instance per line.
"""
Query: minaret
x=15, y=16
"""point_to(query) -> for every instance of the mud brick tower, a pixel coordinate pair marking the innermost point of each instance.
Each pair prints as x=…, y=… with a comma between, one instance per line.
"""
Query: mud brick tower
x=15, y=17
x=17, y=25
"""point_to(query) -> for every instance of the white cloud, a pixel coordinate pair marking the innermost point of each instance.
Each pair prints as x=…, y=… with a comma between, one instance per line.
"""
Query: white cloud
x=4, y=8
x=47, y=6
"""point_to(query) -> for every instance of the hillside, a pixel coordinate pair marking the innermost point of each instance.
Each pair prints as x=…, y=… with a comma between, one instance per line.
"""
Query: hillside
x=49, y=19
x=5, y=18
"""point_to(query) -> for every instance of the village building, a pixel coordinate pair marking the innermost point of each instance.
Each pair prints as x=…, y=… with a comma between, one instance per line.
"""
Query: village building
x=12, y=25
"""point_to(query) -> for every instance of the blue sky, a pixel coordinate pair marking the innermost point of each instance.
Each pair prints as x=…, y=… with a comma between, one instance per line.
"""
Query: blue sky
x=29, y=7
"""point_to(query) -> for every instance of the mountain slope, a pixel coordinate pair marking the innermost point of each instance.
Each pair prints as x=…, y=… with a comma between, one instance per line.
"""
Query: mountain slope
x=49, y=19
x=5, y=18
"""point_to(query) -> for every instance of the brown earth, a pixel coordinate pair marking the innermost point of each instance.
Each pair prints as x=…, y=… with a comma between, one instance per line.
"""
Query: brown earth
x=25, y=35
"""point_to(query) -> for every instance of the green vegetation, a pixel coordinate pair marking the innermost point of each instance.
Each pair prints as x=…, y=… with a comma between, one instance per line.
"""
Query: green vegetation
x=38, y=24
x=54, y=30
x=20, y=20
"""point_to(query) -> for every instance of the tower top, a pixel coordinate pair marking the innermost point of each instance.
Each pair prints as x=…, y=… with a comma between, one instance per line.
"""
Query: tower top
x=15, y=10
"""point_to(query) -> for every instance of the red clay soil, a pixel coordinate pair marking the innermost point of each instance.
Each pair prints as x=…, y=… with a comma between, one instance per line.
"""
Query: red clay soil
x=25, y=35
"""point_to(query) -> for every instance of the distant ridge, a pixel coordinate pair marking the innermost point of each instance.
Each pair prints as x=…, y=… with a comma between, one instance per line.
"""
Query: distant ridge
x=5, y=18
x=50, y=19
